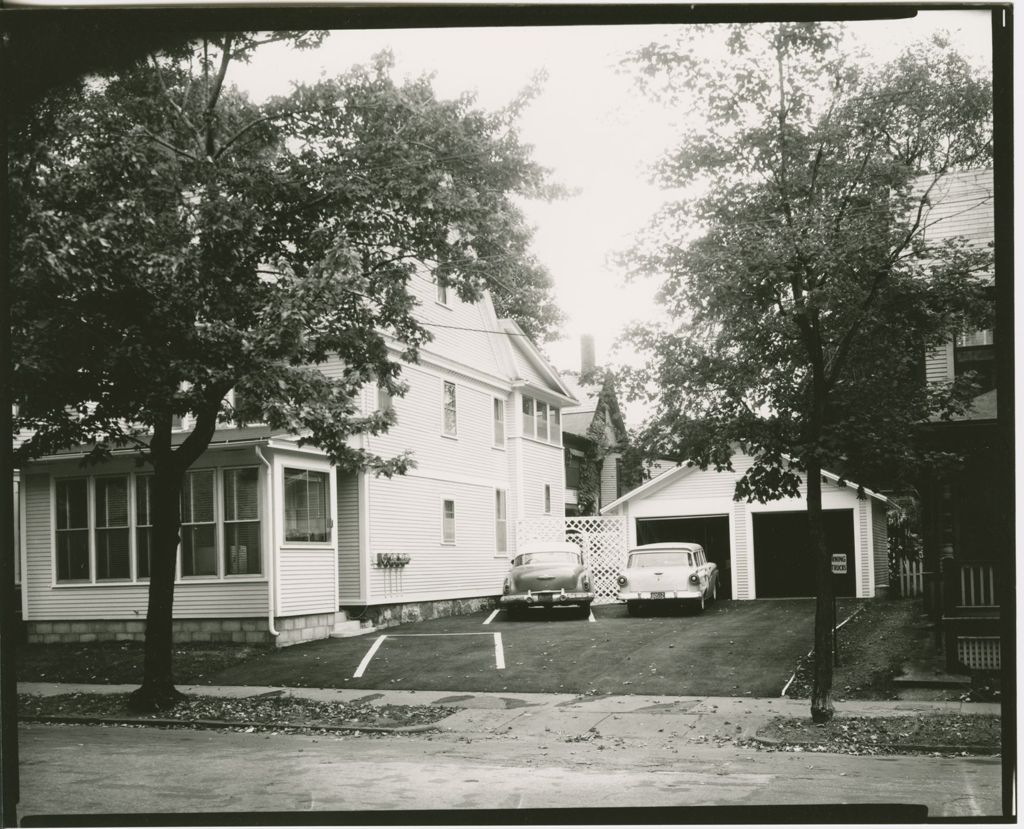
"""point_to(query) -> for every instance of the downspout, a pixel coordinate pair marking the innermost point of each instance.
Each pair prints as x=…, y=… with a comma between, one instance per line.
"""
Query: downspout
x=272, y=555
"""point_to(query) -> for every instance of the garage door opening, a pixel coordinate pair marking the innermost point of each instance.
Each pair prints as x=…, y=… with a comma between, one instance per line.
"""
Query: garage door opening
x=710, y=531
x=783, y=567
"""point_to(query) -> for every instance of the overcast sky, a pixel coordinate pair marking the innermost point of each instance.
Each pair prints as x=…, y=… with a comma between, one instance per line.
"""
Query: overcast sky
x=589, y=125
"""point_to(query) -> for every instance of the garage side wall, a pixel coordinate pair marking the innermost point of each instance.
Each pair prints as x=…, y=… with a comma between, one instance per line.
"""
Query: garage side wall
x=880, y=533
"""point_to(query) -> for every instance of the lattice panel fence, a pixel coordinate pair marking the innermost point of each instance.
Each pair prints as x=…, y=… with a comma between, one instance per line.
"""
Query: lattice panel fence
x=979, y=653
x=603, y=541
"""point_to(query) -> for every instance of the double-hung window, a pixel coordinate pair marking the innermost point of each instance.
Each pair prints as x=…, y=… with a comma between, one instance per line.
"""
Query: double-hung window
x=499, y=422
x=528, y=416
x=112, y=534
x=73, y=530
x=306, y=512
x=143, y=525
x=198, y=524
x=448, y=521
x=542, y=421
x=556, y=426
x=442, y=291
x=500, y=520
x=242, y=554
x=547, y=499
x=450, y=414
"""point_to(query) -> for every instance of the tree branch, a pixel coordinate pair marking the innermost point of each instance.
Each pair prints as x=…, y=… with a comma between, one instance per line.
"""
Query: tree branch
x=214, y=94
x=227, y=144
x=168, y=146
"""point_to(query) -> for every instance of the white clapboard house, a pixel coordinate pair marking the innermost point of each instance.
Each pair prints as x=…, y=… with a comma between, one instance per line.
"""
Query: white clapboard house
x=279, y=546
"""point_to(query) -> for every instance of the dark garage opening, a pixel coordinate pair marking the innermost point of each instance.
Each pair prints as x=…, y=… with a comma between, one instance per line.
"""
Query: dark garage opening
x=783, y=567
x=710, y=531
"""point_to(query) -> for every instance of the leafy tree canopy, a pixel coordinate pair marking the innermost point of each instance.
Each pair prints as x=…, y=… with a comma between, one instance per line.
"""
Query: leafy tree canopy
x=802, y=280
x=173, y=240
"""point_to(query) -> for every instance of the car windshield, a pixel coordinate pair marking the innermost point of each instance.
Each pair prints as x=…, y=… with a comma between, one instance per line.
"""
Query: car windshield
x=549, y=557
x=662, y=558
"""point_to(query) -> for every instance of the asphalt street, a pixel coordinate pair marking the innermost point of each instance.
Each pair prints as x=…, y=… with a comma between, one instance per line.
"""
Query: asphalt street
x=89, y=769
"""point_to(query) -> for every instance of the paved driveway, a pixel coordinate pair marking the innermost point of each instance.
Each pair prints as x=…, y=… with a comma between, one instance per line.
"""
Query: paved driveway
x=731, y=649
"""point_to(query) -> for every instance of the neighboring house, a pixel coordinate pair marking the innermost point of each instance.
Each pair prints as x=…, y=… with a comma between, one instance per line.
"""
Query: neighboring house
x=966, y=522
x=761, y=549
x=277, y=545
x=595, y=436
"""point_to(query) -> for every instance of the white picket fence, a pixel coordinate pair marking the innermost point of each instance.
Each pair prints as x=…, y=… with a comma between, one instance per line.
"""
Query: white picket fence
x=602, y=539
x=911, y=577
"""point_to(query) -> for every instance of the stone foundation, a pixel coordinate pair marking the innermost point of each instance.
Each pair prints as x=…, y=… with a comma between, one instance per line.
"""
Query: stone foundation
x=292, y=630
x=389, y=615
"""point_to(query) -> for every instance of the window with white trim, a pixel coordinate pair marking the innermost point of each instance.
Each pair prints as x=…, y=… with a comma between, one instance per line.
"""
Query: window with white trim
x=499, y=422
x=111, y=531
x=306, y=510
x=500, y=520
x=542, y=421
x=547, y=499
x=442, y=291
x=385, y=403
x=528, y=416
x=143, y=525
x=72, y=529
x=450, y=413
x=104, y=526
x=198, y=524
x=448, y=521
x=555, y=428
x=242, y=554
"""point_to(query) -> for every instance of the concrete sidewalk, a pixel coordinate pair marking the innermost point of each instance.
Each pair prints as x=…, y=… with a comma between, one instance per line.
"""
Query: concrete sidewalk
x=569, y=715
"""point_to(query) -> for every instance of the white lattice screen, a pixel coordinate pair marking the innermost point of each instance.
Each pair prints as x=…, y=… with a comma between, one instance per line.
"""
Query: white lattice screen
x=979, y=653
x=603, y=541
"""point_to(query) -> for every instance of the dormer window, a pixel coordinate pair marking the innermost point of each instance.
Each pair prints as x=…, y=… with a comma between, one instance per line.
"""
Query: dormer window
x=442, y=292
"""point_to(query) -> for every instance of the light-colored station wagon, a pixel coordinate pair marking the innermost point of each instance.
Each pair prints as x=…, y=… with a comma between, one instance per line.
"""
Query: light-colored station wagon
x=669, y=572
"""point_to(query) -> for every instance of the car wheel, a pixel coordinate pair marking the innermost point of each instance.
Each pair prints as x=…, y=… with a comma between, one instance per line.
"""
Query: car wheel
x=515, y=613
x=633, y=608
x=714, y=591
x=701, y=601
x=585, y=610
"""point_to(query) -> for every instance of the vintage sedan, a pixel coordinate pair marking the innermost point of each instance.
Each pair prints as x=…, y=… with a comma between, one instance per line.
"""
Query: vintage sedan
x=672, y=572
x=548, y=574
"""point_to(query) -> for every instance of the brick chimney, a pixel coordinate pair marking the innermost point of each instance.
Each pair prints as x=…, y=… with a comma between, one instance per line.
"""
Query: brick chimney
x=586, y=353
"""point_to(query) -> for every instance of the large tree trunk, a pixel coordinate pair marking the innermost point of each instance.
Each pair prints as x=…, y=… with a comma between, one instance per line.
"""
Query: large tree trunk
x=821, y=694
x=157, y=690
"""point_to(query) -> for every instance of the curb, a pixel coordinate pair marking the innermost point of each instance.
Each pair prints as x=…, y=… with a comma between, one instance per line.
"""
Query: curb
x=942, y=749
x=212, y=724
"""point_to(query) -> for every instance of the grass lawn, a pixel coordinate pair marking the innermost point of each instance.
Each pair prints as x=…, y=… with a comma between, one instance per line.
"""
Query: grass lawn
x=117, y=663
x=873, y=648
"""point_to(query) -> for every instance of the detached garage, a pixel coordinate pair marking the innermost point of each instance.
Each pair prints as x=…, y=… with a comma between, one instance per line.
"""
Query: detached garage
x=760, y=549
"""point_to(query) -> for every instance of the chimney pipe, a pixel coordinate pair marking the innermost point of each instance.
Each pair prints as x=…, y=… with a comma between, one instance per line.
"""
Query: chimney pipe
x=586, y=353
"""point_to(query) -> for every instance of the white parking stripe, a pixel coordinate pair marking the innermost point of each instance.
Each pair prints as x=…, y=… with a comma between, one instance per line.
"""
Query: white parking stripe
x=489, y=618
x=369, y=656
x=591, y=618
x=499, y=653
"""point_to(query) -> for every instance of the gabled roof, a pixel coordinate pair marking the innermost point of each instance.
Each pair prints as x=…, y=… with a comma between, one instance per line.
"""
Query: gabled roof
x=531, y=366
x=577, y=419
x=681, y=471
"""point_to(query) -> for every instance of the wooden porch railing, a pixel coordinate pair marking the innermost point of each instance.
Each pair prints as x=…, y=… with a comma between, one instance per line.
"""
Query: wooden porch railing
x=977, y=583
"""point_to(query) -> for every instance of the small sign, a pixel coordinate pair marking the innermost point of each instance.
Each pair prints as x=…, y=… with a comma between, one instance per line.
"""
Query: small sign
x=839, y=563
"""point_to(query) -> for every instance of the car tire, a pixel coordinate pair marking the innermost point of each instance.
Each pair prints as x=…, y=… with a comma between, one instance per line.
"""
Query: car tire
x=585, y=611
x=714, y=591
x=515, y=613
x=633, y=608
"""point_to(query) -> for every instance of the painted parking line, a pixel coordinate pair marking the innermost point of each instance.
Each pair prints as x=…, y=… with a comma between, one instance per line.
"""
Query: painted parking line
x=488, y=620
x=499, y=652
x=369, y=656
x=591, y=618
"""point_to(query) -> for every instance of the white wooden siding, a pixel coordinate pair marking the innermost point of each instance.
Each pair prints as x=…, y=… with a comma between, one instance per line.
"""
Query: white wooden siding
x=610, y=478
x=880, y=533
x=542, y=464
x=306, y=581
x=406, y=518
x=418, y=426
x=865, y=552
x=525, y=367
x=743, y=586
x=938, y=364
x=349, y=580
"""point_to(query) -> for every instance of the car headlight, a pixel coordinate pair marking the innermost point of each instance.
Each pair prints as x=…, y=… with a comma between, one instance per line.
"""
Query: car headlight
x=621, y=580
x=694, y=578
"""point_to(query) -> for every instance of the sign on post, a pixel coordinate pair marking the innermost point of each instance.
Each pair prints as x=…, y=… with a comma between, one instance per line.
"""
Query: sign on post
x=839, y=564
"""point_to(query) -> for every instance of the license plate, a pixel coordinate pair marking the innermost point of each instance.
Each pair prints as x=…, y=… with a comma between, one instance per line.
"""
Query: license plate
x=657, y=595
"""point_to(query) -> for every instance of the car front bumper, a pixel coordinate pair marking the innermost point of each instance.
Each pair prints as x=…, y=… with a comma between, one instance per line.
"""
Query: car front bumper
x=656, y=595
x=546, y=597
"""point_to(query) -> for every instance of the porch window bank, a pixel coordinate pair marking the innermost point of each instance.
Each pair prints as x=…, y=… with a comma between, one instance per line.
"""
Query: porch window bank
x=306, y=516
x=104, y=526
